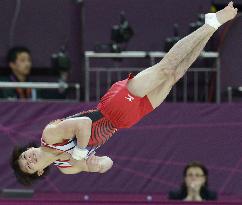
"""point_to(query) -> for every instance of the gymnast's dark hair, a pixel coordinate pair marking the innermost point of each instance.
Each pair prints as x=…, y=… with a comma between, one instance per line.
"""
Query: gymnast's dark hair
x=205, y=193
x=13, y=53
x=22, y=177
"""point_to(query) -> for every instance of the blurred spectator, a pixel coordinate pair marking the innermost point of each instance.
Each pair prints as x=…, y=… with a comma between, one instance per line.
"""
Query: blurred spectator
x=20, y=62
x=195, y=184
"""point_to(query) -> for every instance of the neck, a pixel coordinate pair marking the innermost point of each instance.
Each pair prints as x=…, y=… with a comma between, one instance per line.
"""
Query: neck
x=20, y=78
x=49, y=156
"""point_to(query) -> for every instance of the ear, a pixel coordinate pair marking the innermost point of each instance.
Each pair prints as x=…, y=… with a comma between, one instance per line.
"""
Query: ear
x=11, y=65
x=40, y=172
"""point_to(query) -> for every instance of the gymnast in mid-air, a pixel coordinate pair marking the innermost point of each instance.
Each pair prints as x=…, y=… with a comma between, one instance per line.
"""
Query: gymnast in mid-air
x=71, y=143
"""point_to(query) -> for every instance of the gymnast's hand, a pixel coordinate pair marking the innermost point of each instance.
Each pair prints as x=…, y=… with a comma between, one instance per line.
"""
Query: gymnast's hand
x=99, y=164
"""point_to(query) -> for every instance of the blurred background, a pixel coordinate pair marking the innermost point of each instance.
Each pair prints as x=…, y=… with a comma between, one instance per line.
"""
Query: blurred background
x=58, y=57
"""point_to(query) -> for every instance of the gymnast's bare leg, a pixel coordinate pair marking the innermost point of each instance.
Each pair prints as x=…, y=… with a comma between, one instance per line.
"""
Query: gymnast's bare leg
x=160, y=78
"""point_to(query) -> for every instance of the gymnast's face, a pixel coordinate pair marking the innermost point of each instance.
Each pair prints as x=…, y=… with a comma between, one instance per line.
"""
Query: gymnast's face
x=30, y=161
x=195, y=178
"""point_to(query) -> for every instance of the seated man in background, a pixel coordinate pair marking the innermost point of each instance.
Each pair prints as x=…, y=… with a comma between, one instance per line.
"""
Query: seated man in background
x=20, y=62
x=195, y=184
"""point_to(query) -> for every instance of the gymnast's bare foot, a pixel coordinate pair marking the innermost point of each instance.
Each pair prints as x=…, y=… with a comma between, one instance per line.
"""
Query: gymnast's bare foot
x=227, y=14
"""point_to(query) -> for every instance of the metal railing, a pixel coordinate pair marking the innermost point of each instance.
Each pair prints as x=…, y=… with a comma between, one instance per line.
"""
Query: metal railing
x=230, y=92
x=152, y=57
x=42, y=85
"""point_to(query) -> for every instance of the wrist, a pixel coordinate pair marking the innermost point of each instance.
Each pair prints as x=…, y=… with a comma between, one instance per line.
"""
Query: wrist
x=79, y=153
x=80, y=147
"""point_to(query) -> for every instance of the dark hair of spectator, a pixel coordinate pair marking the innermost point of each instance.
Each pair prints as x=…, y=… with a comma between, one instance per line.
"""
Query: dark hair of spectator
x=205, y=193
x=13, y=53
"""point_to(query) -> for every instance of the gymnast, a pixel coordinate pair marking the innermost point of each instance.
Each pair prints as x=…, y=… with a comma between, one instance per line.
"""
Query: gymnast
x=71, y=143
